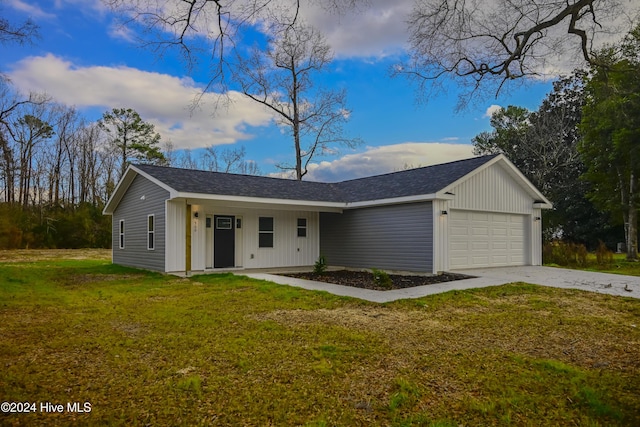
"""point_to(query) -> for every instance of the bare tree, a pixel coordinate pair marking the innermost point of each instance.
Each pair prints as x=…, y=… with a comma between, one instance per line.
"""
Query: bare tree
x=212, y=30
x=21, y=33
x=31, y=129
x=228, y=160
x=88, y=141
x=484, y=44
x=281, y=79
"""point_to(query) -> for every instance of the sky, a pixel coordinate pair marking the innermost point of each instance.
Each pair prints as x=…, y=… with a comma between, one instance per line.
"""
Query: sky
x=85, y=59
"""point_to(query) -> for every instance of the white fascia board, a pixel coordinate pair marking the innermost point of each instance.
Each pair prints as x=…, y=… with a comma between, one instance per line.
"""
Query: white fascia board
x=119, y=192
x=395, y=201
x=259, y=200
x=123, y=185
x=312, y=205
x=542, y=205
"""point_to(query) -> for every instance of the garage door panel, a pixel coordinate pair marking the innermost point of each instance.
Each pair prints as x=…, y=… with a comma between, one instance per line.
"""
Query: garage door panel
x=499, y=246
x=461, y=215
x=479, y=261
x=480, y=231
x=499, y=260
x=499, y=231
x=479, y=246
x=459, y=246
x=458, y=231
x=485, y=239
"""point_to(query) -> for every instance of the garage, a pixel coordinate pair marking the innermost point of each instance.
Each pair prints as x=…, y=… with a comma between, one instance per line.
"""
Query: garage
x=486, y=239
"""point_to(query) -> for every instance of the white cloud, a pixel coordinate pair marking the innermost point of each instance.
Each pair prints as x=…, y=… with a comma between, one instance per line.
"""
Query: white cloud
x=161, y=99
x=387, y=158
x=371, y=28
x=30, y=9
x=491, y=110
x=376, y=28
x=123, y=33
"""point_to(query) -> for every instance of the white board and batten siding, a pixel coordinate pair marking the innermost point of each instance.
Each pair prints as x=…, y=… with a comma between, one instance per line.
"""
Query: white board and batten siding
x=288, y=249
x=491, y=222
x=491, y=190
x=176, y=234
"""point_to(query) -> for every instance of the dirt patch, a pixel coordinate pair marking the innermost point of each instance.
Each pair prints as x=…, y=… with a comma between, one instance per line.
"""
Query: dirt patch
x=366, y=280
x=33, y=255
x=379, y=319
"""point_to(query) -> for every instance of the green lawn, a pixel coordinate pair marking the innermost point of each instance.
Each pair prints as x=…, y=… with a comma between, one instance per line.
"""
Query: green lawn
x=149, y=349
x=619, y=265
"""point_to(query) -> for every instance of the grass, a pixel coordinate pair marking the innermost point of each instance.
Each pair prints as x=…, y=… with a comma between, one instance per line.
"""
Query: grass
x=149, y=349
x=620, y=265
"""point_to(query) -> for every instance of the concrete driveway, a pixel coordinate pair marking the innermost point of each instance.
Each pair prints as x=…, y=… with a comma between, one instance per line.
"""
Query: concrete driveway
x=611, y=284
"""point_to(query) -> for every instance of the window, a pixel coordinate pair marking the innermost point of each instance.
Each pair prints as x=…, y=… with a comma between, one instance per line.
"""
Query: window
x=121, y=234
x=265, y=232
x=302, y=227
x=151, y=235
x=224, y=223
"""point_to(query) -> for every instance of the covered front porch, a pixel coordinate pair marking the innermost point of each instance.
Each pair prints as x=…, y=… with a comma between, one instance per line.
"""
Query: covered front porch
x=236, y=235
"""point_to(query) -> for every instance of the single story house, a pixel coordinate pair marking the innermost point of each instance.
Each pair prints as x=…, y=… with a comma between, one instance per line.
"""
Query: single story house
x=479, y=212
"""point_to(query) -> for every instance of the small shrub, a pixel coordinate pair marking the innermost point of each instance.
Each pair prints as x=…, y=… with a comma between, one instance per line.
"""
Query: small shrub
x=382, y=279
x=320, y=265
x=581, y=255
x=603, y=255
x=565, y=254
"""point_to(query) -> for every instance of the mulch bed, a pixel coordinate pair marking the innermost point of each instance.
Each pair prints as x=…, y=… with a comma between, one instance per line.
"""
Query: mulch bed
x=365, y=279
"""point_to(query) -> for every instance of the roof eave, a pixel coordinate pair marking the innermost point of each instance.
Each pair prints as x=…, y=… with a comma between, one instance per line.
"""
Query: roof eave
x=123, y=185
x=259, y=200
x=542, y=205
x=397, y=200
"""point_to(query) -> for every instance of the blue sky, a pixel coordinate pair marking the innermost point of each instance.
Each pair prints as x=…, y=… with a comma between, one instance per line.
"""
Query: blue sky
x=84, y=58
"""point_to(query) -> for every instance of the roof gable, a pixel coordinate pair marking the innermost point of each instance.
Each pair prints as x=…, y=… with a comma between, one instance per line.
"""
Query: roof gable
x=512, y=171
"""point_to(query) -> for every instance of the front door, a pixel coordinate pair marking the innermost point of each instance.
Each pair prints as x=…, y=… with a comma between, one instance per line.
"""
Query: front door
x=224, y=241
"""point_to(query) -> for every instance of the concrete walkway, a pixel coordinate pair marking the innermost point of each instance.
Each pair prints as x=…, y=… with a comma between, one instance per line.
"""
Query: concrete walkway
x=611, y=284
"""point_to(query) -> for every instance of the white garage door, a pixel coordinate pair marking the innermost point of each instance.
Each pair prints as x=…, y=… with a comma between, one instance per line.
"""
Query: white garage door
x=485, y=239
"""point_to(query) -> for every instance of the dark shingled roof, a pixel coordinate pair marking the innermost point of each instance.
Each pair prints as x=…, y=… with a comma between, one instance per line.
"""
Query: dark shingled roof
x=413, y=182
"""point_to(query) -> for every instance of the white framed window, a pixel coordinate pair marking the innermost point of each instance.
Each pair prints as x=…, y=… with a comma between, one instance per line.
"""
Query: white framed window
x=224, y=223
x=265, y=232
x=151, y=232
x=302, y=227
x=121, y=234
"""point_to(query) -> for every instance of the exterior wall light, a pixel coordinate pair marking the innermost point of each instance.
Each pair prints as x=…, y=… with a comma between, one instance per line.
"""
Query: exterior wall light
x=195, y=215
x=537, y=218
x=444, y=213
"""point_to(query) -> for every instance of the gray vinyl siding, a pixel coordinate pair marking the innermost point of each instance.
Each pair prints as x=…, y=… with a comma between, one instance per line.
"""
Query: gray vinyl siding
x=396, y=237
x=134, y=210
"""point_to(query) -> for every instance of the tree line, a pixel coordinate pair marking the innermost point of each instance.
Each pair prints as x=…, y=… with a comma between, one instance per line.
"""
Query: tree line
x=58, y=169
